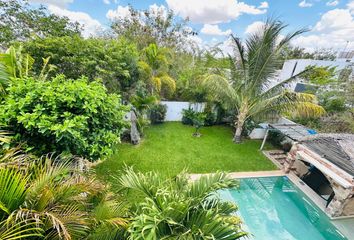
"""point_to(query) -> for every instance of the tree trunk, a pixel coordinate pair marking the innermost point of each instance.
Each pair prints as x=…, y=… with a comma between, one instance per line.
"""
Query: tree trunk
x=239, y=127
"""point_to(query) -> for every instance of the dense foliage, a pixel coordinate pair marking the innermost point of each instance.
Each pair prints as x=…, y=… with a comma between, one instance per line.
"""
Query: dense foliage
x=53, y=198
x=114, y=61
x=335, y=92
x=157, y=113
x=19, y=21
x=176, y=208
x=63, y=115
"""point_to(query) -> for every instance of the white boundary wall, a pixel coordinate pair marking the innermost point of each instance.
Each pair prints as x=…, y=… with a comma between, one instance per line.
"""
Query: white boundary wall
x=174, y=109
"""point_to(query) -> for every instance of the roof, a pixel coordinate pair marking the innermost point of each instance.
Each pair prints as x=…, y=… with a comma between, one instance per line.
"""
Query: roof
x=336, y=148
x=302, y=87
x=294, y=131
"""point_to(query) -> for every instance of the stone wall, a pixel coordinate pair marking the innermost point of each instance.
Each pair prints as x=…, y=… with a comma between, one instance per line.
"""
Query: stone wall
x=343, y=201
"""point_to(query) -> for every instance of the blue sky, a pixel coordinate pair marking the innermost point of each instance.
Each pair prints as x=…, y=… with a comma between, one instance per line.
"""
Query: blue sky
x=330, y=22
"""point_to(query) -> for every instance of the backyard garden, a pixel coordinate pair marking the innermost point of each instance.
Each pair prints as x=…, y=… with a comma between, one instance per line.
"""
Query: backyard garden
x=170, y=148
x=85, y=148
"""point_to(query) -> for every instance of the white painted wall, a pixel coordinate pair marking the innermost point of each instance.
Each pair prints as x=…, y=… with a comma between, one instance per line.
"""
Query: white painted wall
x=174, y=109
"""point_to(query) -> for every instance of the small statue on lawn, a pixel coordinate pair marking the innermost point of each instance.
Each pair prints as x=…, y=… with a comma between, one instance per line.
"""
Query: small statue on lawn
x=134, y=133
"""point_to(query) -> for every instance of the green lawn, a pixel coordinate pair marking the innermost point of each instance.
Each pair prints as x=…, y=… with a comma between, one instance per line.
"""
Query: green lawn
x=170, y=147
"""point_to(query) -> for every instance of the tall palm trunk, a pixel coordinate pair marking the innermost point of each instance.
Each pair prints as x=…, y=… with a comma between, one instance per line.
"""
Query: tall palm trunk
x=241, y=118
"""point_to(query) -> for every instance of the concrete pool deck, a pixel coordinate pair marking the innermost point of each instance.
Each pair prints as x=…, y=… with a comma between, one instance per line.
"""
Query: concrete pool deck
x=344, y=224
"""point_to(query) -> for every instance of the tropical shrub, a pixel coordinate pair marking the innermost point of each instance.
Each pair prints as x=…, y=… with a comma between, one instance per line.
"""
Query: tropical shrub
x=198, y=120
x=187, y=116
x=210, y=116
x=50, y=199
x=158, y=113
x=54, y=198
x=63, y=115
x=177, y=208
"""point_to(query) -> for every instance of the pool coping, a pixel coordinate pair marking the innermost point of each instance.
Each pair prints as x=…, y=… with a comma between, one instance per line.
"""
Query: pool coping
x=275, y=173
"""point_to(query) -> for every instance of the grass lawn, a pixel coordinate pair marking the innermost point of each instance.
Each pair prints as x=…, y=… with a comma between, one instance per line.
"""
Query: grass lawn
x=170, y=147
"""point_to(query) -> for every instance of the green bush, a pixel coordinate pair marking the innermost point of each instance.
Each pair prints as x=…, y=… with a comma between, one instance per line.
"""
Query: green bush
x=187, y=116
x=210, y=116
x=158, y=113
x=335, y=105
x=63, y=115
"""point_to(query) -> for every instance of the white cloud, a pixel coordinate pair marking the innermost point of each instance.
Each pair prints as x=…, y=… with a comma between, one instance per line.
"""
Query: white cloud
x=254, y=27
x=334, y=30
x=305, y=4
x=263, y=5
x=212, y=11
x=334, y=20
x=332, y=3
x=119, y=13
x=59, y=3
x=124, y=13
x=90, y=26
x=350, y=6
x=210, y=29
x=106, y=2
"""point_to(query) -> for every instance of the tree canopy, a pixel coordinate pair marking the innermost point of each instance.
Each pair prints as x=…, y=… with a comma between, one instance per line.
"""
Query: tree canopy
x=20, y=22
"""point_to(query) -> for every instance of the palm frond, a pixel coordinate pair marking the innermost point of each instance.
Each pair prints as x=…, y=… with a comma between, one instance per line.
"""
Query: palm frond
x=299, y=103
x=147, y=183
x=20, y=230
x=12, y=190
x=220, y=89
x=210, y=183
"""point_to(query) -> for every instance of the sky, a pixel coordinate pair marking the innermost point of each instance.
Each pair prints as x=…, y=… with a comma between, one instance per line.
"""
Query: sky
x=330, y=22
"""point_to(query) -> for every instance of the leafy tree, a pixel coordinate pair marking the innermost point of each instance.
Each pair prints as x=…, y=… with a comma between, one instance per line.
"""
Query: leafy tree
x=189, y=72
x=158, y=26
x=20, y=22
x=63, y=115
x=114, y=61
x=334, y=87
x=319, y=75
x=246, y=87
x=181, y=209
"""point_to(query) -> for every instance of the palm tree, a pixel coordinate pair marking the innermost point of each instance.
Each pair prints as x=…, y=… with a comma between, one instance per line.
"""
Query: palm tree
x=52, y=199
x=154, y=70
x=247, y=86
x=177, y=208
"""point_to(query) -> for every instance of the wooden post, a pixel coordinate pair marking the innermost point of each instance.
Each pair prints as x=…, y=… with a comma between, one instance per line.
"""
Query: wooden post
x=264, y=139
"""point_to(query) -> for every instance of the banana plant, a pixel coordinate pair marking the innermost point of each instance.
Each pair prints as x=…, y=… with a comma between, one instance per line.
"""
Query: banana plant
x=15, y=64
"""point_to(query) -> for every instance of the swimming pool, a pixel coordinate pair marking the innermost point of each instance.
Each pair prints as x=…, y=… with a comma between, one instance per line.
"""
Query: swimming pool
x=274, y=208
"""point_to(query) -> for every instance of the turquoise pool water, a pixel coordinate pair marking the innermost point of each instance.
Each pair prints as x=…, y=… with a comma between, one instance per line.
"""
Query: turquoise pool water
x=274, y=208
